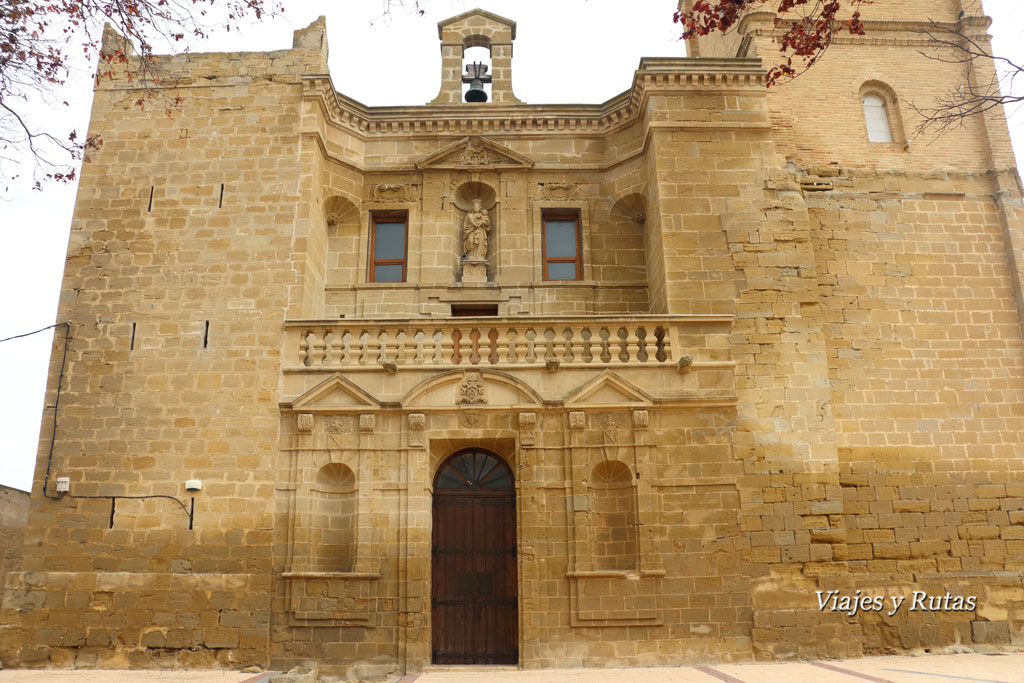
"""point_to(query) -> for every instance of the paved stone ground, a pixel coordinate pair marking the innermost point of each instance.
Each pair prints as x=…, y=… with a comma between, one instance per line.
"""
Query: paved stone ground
x=972, y=668
x=108, y=676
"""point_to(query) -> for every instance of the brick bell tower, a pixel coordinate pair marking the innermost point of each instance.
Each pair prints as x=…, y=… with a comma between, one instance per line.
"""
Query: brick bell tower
x=858, y=106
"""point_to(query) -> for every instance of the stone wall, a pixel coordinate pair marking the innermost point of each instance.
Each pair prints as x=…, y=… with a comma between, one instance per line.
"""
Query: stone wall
x=13, y=519
x=176, y=286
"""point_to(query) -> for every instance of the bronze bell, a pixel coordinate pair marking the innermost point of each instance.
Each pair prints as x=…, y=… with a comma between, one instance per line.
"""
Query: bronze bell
x=476, y=92
x=476, y=76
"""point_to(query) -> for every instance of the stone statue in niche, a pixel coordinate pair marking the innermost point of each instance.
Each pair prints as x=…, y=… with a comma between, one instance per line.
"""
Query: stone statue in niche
x=475, y=230
x=474, y=233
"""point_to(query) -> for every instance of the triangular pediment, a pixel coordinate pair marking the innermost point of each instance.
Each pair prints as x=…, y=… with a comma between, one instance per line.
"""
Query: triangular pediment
x=464, y=18
x=474, y=152
x=608, y=389
x=334, y=393
x=471, y=388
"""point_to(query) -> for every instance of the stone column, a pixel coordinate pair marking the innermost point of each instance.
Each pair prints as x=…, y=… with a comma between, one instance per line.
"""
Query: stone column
x=451, y=74
x=501, y=74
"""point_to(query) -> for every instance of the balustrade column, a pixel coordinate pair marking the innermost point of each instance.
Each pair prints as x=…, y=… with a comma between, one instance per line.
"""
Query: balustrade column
x=359, y=347
x=317, y=349
x=303, y=348
x=578, y=355
x=632, y=344
x=447, y=347
x=505, y=345
x=647, y=345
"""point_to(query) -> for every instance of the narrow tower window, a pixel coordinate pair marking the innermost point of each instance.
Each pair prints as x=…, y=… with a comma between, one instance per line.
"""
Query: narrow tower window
x=877, y=119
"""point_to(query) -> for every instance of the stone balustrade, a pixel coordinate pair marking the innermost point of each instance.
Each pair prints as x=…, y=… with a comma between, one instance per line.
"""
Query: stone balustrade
x=537, y=341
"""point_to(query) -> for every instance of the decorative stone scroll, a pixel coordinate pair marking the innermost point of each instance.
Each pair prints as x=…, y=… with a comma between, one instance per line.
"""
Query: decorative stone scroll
x=559, y=191
x=392, y=192
x=641, y=419
x=577, y=419
x=528, y=429
x=417, y=430
x=304, y=422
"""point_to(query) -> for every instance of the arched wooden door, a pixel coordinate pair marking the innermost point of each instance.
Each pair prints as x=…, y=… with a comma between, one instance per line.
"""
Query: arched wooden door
x=474, y=594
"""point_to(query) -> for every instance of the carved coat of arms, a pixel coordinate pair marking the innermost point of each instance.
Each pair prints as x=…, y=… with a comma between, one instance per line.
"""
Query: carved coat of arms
x=471, y=391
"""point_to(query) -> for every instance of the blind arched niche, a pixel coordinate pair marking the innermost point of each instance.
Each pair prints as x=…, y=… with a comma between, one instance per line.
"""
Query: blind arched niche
x=333, y=532
x=614, y=517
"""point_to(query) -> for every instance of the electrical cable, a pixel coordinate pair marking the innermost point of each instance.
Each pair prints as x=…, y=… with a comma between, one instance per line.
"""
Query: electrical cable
x=29, y=334
x=56, y=404
x=53, y=438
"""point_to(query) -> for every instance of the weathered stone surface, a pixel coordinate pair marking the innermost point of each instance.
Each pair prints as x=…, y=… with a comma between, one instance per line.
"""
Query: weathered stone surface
x=790, y=367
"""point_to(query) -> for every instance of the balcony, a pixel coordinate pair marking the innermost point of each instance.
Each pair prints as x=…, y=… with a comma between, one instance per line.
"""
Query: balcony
x=520, y=343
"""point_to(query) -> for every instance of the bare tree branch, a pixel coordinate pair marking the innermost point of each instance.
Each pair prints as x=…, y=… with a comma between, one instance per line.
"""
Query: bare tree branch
x=989, y=81
x=39, y=44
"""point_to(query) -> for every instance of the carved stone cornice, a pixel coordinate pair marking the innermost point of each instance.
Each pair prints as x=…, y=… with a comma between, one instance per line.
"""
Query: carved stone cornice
x=654, y=75
x=876, y=32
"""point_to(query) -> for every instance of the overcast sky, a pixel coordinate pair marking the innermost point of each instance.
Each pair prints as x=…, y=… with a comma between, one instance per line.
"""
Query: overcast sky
x=576, y=51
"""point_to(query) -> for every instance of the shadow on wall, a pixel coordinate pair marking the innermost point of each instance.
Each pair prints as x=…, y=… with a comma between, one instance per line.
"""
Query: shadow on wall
x=13, y=518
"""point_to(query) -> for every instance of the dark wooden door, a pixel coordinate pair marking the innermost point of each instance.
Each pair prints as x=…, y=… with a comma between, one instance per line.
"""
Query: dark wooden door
x=474, y=602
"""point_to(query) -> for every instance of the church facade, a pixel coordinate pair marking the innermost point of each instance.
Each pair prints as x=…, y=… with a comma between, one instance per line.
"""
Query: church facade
x=658, y=381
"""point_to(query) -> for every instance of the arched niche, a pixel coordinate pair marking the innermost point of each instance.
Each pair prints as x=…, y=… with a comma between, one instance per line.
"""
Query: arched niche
x=618, y=243
x=614, y=517
x=333, y=520
x=464, y=198
x=342, y=218
x=474, y=189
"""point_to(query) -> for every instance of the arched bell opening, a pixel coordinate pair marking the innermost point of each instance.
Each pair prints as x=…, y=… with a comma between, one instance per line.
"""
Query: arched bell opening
x=476, y=69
